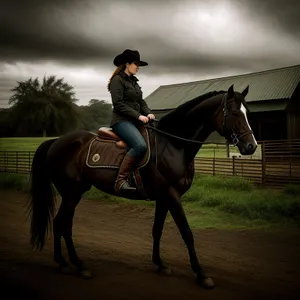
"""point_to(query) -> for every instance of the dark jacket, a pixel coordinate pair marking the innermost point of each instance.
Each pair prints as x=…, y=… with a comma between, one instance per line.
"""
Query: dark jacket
x=127, y=99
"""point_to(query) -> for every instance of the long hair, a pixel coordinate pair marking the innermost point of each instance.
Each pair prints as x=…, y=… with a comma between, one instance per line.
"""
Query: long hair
x=116, y=71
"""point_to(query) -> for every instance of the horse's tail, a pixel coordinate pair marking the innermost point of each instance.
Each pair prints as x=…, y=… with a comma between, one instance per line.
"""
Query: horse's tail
x=41, y=195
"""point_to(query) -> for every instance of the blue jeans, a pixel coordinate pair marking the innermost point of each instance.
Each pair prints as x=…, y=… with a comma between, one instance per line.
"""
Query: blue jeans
x=132, y=137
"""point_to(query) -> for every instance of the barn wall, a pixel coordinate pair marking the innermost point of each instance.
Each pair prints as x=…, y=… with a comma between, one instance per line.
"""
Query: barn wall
x=293, y=116
x=268, y=125
x=293, y=125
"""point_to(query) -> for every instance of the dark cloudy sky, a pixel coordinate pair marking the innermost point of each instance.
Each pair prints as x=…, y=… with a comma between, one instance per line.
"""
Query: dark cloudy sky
x=181, y=40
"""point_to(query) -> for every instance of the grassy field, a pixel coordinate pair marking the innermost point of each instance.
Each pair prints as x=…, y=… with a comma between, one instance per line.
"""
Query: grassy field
x=21, y=144
x=31, y=144
x=214, y=202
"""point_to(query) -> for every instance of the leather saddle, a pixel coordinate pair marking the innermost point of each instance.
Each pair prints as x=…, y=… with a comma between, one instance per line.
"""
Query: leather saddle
x=106, y=133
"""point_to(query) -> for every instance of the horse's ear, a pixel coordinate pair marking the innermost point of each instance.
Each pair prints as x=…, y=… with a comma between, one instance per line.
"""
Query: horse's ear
x=245, y=91
x=230, y=92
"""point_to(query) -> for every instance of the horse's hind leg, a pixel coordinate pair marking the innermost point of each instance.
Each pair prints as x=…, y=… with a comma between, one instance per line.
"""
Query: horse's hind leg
x=67, y=235
x=58, y=224
x=63, y=224
x=161, y=210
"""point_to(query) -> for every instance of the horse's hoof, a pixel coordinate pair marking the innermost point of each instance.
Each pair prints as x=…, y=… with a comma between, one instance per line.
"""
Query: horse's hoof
x=206, y=283
x=86, y=274
x=165, y=271
x=66, y=270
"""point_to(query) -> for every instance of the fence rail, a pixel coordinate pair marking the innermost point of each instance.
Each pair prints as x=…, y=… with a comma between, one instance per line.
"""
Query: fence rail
x=16, y=161
x=279, y=163
x=246, y=168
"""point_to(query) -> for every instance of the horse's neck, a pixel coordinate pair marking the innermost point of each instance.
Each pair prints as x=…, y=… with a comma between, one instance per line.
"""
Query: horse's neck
x=195, y=125
x=191, y=149
x=200, y=134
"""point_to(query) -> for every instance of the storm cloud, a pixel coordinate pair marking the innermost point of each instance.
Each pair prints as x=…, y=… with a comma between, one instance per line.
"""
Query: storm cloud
x=181, y=40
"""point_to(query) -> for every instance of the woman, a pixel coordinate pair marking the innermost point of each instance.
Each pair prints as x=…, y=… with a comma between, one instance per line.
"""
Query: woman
x=129, y=110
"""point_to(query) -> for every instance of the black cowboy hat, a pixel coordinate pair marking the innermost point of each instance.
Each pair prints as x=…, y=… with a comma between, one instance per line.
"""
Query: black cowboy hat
x=129, y=56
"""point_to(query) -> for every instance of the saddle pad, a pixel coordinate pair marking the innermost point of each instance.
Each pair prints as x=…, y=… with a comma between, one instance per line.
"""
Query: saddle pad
x=104, y=154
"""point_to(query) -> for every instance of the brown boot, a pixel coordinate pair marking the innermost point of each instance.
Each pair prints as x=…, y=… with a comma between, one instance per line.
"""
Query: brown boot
x=121, y=184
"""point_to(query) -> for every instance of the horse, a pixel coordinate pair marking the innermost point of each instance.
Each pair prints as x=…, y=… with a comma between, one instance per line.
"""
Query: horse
x=71, y=166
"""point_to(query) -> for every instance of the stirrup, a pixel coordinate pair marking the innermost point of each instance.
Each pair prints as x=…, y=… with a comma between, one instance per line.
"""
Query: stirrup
x=124, y=187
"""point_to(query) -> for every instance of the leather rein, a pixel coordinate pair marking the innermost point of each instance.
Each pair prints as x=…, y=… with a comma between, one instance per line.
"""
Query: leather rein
x=235, y=138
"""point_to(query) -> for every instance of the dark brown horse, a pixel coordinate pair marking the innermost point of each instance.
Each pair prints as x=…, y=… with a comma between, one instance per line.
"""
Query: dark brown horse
x=174, y=141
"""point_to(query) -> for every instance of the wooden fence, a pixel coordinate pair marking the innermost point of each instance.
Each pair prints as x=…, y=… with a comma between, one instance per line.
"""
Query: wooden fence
x=246, y=168
x=16, y=161
x=279, y=164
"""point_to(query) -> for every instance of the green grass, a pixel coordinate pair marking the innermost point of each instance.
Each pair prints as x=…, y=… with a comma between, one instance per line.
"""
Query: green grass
x=212, y=150
x=17, y=182
x=240, y=198
x=21, y=144
x=214, y=202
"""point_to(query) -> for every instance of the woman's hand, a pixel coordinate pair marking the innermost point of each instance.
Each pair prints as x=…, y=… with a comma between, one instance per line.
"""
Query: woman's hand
x=151, y=117
x=143, y=119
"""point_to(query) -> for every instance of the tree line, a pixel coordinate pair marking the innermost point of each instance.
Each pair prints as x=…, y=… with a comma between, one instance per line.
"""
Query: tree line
x=48, y=108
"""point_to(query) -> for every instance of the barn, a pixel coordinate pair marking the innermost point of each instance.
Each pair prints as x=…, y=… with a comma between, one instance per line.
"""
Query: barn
x=273, y=100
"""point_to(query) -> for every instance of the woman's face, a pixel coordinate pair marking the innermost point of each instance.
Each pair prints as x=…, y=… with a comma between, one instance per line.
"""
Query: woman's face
x=132, y=68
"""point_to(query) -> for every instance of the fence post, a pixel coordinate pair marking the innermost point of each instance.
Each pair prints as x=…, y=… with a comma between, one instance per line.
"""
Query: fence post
x=233, y=165
x=227, y=149
x=5, y=161
x=242, y=166
x=29, y=159
x=263, y=163
x=17, y=162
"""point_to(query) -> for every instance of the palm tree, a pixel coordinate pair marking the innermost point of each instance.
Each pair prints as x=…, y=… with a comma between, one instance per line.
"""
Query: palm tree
x=47, y=108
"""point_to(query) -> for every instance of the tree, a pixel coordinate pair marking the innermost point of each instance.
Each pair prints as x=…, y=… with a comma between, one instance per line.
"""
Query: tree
x=6, y=125
x=44, y=109
x=96, y=114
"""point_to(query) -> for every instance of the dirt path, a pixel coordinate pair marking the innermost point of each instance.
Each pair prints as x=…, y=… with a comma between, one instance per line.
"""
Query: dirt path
x=116, y=242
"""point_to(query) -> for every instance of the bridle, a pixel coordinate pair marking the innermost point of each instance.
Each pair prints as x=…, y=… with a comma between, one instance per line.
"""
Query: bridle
x=235, y=138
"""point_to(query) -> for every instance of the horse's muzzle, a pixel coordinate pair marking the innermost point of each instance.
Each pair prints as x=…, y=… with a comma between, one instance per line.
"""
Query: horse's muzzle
x=247, y=148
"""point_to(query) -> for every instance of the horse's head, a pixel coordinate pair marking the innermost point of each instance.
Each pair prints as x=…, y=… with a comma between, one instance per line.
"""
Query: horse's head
x=232, y=122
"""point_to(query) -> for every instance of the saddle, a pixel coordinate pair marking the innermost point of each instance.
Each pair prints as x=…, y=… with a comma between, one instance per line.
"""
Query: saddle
x=107, y=151
x=106, y=133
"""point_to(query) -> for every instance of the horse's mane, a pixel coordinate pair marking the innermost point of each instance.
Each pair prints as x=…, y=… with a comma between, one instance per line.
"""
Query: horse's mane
x=171, y=119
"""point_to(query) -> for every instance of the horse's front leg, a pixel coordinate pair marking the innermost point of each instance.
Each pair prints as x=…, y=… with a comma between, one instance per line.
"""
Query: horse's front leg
x=161, y=210
x=178, y=214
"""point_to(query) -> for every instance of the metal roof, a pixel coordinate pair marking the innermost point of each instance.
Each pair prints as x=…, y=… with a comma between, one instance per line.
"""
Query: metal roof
x=266, y=85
